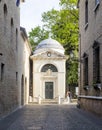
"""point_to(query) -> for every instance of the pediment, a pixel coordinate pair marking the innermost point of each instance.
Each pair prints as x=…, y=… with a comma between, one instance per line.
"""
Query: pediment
x=49, y=54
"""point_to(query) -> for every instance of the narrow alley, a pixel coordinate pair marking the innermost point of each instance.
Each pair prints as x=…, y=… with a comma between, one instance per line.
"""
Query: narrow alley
x=51, y=117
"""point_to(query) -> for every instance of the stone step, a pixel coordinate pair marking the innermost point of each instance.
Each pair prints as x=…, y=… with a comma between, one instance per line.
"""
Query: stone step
x=45, y=101
x=33, y=103
x=49, y=101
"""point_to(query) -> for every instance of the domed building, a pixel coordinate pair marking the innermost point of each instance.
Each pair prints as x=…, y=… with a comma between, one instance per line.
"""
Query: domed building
x=48, y=70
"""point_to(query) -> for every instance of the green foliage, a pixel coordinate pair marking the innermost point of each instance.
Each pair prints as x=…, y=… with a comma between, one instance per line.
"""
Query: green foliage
x=49, y=19
x=72, y=72
x=63, y=25
x=36, y=35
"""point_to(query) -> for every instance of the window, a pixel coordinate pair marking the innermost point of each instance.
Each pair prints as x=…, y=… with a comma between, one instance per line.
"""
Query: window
x=5, y=18
x=5, y=9
x=49, y=66
x=2, y=71
x=85, y=69
x=12, y=22
x=96, y=62
x=12, y=25
x=86, y=12
x=31, y=78
x=16, y=39
x=22, y=90
x=16, y=77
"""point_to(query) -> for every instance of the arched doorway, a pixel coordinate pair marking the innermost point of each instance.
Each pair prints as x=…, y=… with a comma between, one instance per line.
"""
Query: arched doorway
x=22, y=90
x=48, y=69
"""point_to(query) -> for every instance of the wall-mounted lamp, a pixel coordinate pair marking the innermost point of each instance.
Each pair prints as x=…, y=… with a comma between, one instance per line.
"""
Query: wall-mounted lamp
x=74, y=58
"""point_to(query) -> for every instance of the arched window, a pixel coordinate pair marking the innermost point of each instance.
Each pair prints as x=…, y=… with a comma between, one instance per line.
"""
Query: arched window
x=16, y=39
x=12, y=22
x=86, y=12
x=12, y=30
x=5, y=9
x=22, y=90
x=49, y=66
x=96, y=62
x=5, y=18
x=85, y=69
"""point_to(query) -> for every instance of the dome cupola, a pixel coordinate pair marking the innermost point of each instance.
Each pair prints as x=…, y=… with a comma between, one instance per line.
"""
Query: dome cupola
x=49, y=44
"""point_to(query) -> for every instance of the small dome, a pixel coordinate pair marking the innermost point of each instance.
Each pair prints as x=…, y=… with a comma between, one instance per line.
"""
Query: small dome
x=49, y=44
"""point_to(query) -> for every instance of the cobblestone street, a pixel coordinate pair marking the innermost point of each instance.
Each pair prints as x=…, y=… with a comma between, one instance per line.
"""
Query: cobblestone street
x=51, y=117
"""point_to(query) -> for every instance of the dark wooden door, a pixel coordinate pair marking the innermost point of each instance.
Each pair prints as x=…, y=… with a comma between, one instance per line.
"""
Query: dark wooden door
x=49, y=90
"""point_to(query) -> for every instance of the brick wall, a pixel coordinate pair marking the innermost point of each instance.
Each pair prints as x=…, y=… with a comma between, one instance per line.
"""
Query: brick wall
x=9, y=23
x=88, y=34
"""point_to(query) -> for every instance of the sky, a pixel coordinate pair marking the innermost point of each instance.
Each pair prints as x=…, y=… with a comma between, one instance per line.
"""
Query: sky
x=31, y=11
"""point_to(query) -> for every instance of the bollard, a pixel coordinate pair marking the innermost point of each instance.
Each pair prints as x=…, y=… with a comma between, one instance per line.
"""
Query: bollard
x=30, y=99
x=59, y=100
x=39, y=99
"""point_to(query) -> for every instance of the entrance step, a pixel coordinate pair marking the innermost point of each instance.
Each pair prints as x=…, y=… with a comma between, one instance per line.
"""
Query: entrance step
x=49, y=101
x=45, y=102
x=33, y=103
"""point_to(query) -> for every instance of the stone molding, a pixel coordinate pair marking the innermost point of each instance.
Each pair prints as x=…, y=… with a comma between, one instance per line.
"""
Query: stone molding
x=90, y=97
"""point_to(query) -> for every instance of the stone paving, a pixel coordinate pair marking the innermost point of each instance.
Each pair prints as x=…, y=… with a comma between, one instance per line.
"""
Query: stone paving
x=51, y=117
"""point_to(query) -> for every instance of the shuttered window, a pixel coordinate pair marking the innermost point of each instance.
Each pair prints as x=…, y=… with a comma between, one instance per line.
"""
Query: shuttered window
x=2, y=71
x=96, y=62
x=86, y=12
x=85, y=69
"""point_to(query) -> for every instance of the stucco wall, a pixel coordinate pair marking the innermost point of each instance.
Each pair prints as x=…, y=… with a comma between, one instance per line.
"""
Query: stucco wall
x=24, y=52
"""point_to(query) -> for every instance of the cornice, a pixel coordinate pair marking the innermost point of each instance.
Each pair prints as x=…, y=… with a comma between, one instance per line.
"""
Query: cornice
x=47, y=58
x=39, y=56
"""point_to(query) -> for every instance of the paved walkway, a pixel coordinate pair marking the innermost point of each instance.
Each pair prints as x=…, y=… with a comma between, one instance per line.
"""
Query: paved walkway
x=51, y=117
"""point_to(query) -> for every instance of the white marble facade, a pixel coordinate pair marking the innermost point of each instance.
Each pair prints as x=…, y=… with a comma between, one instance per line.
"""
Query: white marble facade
x=49, y=70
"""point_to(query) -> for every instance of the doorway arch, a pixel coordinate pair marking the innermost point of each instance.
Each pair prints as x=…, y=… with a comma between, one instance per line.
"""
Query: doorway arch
x=22, y=90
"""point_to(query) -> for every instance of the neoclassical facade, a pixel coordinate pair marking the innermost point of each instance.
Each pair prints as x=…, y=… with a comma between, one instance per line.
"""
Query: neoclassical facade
x=48, y=70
